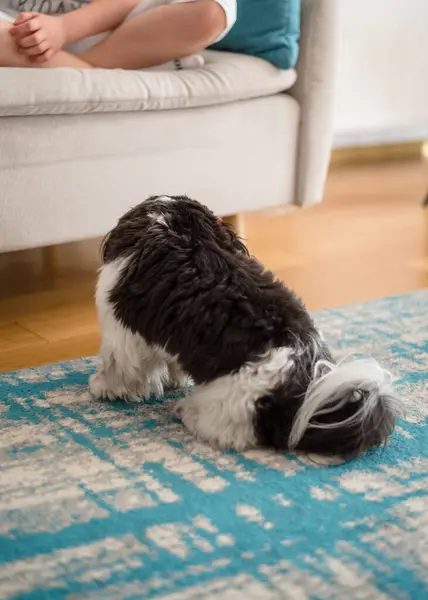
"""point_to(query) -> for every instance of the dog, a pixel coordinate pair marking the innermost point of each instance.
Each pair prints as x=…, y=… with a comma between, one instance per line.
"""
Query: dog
x=180, y=299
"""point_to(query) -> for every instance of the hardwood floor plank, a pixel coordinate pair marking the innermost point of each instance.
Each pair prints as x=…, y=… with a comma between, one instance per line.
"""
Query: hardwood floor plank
x=45, y=353
x=13, y=336
x=63, y=321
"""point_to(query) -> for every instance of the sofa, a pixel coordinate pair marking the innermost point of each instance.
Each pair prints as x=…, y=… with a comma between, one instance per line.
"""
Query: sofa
x=79, y=148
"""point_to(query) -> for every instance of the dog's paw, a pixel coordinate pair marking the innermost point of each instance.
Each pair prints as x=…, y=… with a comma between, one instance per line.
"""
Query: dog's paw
x=177, y=409
x=112, y=388
x=99, y=389
x=152, y=388
x=177, y=378
x=188, y=413
x=220, y=433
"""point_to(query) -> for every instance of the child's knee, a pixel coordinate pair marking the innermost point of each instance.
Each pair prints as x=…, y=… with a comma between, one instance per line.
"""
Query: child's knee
x=211, y=20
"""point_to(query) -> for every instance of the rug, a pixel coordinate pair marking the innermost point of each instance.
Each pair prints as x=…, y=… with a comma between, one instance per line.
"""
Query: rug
x=116, y=501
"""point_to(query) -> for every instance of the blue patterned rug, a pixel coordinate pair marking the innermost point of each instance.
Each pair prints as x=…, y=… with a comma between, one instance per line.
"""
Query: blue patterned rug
x=116, y=501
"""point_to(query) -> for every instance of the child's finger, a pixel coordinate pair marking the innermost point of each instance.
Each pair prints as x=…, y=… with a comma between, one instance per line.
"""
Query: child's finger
x=21, y=19
x=27, y=28
x=44, y=57
x=37, y=50
x=35, y=39
x=25, y=17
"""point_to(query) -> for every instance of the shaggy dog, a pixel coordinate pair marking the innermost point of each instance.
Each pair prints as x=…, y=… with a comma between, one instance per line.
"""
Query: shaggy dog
x=179, y=297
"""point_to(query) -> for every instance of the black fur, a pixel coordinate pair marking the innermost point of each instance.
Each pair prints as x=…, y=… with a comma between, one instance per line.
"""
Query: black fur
x=191, y=287
x=196, y=291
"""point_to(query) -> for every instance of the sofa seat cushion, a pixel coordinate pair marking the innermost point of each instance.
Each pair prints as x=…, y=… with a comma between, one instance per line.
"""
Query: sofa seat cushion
x=225, y=78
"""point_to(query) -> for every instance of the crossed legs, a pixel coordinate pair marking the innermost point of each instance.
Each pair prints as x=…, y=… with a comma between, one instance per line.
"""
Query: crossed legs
x=150, y=38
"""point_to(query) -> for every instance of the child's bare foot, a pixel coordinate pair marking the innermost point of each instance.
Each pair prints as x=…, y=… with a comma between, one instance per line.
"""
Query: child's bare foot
x=9, y=55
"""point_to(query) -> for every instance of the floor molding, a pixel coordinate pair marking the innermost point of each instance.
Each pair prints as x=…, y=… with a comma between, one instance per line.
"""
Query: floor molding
x=380, y=153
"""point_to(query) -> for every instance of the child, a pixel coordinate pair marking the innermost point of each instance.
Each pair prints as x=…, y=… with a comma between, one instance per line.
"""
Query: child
x=110, y=34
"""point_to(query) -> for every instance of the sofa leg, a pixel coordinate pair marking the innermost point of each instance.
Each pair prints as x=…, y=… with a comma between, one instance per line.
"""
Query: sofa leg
x=237, y=222
x=48, y=260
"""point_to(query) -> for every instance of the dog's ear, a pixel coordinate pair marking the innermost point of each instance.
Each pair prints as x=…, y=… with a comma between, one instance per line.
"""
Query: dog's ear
x=240, y=246
x=104, y=248
x=237, y=243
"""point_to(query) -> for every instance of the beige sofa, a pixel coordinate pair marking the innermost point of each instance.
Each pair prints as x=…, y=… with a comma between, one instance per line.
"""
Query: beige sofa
x=78, y=148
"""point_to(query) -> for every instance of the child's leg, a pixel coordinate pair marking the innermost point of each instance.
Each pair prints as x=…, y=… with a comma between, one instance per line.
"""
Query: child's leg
x=162, y=34
x=159, y=35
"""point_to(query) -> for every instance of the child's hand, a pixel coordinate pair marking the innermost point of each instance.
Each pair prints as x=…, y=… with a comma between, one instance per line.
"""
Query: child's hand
x=38, y=36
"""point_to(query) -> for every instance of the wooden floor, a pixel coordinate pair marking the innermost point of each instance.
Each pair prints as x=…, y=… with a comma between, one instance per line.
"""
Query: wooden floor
x=367, y=240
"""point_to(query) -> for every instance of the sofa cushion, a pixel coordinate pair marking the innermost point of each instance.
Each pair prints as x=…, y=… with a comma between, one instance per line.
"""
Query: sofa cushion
x=225, y=78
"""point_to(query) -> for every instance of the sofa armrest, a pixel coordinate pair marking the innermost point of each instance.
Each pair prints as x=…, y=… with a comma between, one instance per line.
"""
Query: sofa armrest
x=315, y=93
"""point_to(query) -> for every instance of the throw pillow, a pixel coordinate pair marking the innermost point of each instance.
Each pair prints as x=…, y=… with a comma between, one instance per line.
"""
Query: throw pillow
x=269, y=29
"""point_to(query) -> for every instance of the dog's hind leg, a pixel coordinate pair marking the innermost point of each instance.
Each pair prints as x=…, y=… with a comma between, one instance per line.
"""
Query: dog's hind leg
x=219, y=413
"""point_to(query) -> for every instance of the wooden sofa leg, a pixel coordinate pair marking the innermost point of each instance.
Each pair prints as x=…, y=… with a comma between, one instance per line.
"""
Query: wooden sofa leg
x=48, y=256
x=237, y=222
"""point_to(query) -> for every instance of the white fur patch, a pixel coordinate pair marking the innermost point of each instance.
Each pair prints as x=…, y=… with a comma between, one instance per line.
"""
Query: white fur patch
x=158, y=219
x=166, y=199
x=221, y=412
x=130, y=367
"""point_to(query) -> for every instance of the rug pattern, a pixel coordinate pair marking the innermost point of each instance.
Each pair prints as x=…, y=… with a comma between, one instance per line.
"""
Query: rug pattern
x=116, y=501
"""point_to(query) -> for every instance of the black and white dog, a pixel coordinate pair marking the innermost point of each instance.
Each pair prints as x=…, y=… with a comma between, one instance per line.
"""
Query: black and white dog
x=179, y=297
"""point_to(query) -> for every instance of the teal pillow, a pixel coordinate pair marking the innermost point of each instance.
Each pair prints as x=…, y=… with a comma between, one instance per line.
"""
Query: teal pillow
x=269, y=29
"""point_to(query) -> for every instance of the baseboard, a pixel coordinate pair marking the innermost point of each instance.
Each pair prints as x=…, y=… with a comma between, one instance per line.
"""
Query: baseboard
x=352, y=138
x=378, y=153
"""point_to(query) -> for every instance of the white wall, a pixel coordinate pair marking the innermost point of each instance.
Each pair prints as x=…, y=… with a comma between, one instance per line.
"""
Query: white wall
x=382, y=90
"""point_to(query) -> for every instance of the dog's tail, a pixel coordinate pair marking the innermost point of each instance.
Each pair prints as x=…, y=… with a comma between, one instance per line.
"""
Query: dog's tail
x=348, y=408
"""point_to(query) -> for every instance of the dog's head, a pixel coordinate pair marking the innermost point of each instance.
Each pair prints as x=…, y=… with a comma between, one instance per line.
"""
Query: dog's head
x=346, y=410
